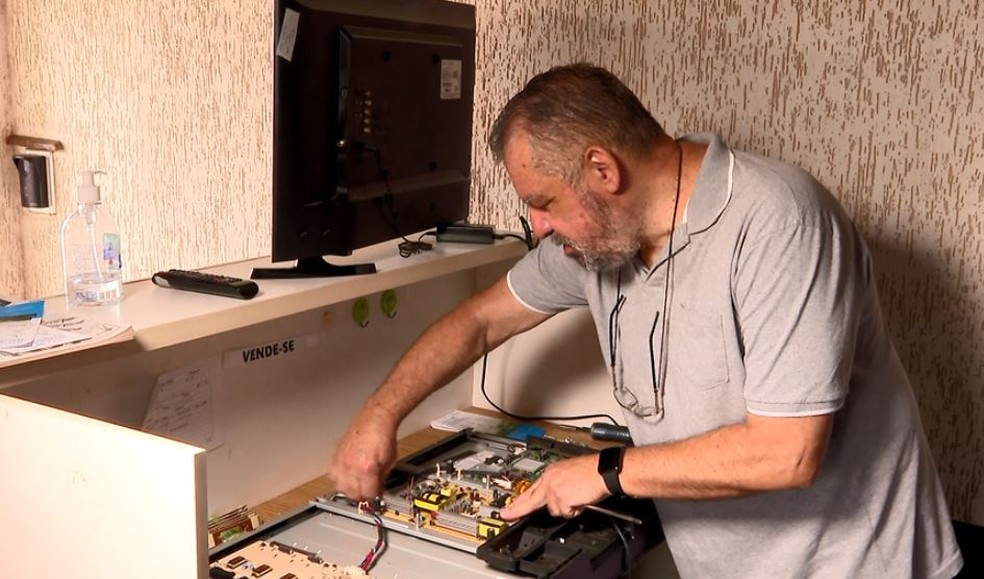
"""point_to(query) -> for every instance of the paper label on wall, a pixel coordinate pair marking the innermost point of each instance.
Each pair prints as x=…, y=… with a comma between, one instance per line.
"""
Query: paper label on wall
x=182, y=406
x=288, y=34
x=268, y=351
x=450, y=79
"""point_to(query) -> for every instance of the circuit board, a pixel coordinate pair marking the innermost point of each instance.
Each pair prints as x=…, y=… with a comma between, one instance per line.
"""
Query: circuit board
x=276, y=560
x=451, y=493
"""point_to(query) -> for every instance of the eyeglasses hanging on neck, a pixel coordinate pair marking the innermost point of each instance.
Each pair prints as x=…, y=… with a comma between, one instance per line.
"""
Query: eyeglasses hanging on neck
x=624, y=396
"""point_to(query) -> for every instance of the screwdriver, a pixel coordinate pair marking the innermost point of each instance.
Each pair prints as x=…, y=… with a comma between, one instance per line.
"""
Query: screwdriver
x=604, y=431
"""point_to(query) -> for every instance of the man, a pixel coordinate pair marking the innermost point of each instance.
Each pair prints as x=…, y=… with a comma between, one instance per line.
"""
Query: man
x=773, y=422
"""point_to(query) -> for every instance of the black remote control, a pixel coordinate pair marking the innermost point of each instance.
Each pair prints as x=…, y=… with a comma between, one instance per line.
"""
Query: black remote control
x=206, y=283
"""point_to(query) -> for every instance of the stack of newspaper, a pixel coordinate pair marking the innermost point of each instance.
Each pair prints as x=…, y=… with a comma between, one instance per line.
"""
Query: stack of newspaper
x=26, y=334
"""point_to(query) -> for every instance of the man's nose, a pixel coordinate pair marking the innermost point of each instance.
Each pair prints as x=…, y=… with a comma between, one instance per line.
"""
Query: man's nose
x=540, y=223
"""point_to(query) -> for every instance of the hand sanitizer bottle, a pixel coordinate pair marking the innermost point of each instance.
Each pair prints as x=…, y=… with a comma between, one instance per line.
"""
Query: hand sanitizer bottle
x=91, y=250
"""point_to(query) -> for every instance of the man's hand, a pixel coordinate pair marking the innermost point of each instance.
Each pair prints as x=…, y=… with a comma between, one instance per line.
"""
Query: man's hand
x=364, y=457
x=564, y=488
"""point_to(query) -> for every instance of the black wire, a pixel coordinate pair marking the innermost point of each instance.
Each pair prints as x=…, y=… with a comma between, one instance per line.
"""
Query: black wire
x=530, y=242
x=485, y=363
x=626, y=558
x=505, y=235
x=660, y=397
x=528, y=236
x=407, y=248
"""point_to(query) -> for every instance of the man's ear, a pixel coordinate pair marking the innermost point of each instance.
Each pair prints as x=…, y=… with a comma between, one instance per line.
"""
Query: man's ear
x=601, y=170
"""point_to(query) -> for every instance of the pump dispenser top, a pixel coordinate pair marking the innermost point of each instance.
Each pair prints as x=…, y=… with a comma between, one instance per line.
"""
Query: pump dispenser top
x=88, y=191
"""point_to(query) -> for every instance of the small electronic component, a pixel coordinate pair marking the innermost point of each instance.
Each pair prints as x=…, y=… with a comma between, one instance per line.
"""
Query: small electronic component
x=231, y=524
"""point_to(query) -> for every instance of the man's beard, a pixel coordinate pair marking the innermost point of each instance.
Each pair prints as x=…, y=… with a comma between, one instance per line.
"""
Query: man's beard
x=605, y=250
x=595, y=259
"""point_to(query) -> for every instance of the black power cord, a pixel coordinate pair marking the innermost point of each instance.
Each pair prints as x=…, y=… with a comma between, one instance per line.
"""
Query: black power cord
x=485, y=363
x=599, y=431
x=527, y=236
x=406, y=248
x=626, y=558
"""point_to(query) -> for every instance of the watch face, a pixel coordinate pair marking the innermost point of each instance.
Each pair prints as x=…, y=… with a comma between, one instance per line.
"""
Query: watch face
x=610, y=460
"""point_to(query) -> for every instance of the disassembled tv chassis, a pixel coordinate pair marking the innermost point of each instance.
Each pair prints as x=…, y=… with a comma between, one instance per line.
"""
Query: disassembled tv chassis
x=450, y=494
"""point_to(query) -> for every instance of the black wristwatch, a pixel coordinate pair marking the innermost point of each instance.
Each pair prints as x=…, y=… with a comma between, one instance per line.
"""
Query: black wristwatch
x=609, y=467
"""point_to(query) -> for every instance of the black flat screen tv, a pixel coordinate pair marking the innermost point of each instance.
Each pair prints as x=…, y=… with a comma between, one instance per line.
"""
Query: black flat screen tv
x=372, y=126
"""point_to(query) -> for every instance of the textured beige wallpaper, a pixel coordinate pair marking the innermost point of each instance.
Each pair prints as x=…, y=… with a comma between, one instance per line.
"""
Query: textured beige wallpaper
x=171, y=100
x=879, y=98
x=11, y=252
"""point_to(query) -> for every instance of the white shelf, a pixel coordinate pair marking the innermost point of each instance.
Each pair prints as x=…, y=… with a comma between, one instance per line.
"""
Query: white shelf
x=162, y=317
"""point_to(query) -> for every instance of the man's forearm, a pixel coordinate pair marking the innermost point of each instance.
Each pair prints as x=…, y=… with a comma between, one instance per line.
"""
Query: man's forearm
x=763, y=454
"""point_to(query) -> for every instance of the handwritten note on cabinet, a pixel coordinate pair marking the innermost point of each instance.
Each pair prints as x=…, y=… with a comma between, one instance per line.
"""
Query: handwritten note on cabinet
x=182, y=406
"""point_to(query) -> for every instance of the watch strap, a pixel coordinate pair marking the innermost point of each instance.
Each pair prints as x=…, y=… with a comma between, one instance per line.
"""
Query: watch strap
x=610, y=466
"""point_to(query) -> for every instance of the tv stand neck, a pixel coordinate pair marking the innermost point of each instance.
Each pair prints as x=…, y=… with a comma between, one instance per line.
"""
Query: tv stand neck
x=312, y=267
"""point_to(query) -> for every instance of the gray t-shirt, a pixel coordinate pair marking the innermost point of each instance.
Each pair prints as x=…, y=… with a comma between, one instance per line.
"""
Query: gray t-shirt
x=772, y=311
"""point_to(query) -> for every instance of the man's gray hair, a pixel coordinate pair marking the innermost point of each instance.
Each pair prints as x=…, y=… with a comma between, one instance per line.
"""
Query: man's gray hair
x=569, y=108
